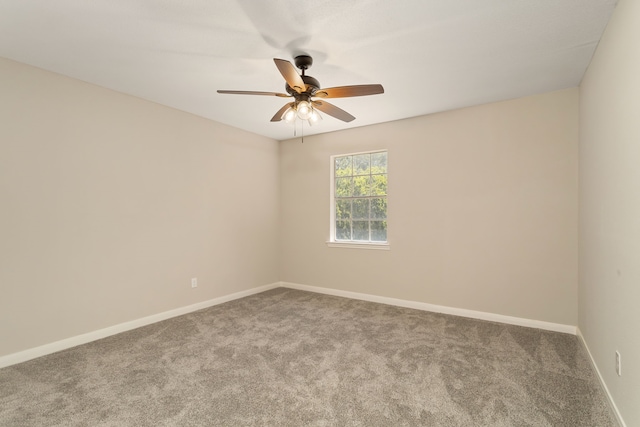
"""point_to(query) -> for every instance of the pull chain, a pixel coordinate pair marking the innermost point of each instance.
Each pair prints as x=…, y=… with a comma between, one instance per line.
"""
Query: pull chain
x=295, y=129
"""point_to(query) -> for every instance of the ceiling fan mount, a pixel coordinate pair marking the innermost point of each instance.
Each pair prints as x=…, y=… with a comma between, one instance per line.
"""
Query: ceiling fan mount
x=302, y=88
x=303, y=62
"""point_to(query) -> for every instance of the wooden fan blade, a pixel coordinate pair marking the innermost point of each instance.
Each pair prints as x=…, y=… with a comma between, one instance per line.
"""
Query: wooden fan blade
x=349, y=91
x=290, y=74
x=248, y=92
x=334, y=111
x=278, y=116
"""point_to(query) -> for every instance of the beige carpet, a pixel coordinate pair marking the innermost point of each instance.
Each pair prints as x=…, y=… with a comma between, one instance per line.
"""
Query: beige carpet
x=293, y=358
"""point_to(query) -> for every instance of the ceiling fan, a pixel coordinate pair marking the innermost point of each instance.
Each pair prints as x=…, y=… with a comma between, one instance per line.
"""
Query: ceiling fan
x=303, y=88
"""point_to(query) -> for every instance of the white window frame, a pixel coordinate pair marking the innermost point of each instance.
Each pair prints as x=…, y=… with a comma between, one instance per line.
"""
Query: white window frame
x=332, y=242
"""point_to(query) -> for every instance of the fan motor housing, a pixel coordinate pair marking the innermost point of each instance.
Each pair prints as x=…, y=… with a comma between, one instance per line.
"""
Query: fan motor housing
x=311, y=83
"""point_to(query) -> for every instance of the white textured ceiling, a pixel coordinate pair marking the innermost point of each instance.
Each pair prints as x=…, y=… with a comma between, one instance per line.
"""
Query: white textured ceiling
x=430, y=55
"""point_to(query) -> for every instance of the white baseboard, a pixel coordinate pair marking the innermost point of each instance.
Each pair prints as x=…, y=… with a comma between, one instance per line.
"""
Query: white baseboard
x=612, y=404
x=538, y=324
x=43, y=350
x=23, y=356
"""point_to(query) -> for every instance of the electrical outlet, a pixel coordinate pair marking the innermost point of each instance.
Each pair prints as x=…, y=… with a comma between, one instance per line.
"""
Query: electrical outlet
x=618, y=364
x=194, y=282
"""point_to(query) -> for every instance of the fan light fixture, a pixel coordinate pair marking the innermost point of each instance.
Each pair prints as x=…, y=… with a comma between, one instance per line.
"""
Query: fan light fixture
x=302, y=110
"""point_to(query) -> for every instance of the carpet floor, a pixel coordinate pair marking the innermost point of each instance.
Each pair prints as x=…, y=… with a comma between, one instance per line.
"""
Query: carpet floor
x=292, y=358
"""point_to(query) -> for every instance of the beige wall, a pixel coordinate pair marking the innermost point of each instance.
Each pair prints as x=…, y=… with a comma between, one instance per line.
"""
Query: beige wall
x=609, y=292
x=110, y=204
x=482, y=210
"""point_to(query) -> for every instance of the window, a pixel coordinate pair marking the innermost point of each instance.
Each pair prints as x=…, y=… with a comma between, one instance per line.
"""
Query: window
x=359, y=198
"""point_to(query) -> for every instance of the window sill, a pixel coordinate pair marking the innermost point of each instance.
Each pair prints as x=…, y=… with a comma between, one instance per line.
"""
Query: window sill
x=363, y=245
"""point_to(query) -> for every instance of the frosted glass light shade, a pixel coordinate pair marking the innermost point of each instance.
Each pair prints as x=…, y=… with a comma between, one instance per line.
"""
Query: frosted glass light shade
x=314, y=117
x=289, y=115
x=304, y=110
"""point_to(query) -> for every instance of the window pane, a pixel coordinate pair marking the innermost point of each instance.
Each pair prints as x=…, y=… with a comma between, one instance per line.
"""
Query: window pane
x=379, y=163
x=343, y=209
x=360, y=197
x=379, y=185
x=343, y=166
x=361, y=230
x=361, y=185
x=379, y=231
x=344, y=187
x=361, y=164
x=379, y=208
x=360, y=209
x=343, y=230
